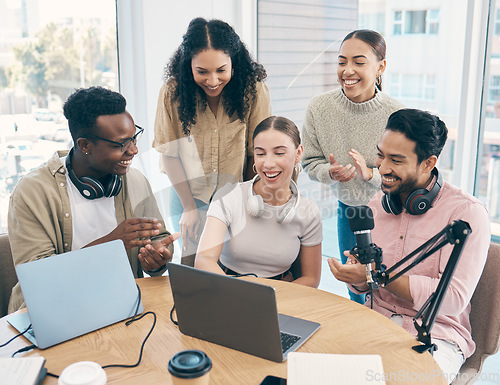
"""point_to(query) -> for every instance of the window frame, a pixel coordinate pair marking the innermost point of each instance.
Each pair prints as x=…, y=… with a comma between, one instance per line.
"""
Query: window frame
x=488, y=17
x=402, y=24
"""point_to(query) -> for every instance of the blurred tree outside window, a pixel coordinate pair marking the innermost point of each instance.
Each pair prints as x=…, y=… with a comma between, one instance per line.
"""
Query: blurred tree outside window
x=48, y=48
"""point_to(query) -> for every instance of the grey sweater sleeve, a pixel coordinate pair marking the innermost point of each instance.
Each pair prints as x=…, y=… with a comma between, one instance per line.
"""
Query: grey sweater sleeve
x=315, y=162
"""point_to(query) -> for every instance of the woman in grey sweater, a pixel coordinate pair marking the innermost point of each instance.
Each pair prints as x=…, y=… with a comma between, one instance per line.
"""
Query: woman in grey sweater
x=342, y=128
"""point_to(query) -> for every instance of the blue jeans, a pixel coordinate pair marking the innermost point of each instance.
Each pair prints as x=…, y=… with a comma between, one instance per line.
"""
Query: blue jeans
x=347, y=240
x=176, y=211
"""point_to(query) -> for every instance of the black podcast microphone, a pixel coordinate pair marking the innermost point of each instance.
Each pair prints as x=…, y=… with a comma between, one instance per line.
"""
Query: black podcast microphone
x=361, y=223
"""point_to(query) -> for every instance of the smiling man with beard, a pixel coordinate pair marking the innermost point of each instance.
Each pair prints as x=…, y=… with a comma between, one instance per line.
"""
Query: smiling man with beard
x=407, y=154
x=90, y=195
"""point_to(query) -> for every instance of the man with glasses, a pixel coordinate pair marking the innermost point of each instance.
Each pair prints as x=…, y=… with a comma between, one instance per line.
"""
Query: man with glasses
x=90, y=195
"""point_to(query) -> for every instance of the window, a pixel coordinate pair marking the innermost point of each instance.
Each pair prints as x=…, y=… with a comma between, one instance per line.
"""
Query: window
x=415, y=73
x=413, y=87
x=494, y=90
x=415, y=22
x=441, y=90
x=488, y=168
x=412, y=22
x=433, y=21
x=429, y=87
x=47, y=49
x=394, y=84
x=398, y=23
x=497, y=22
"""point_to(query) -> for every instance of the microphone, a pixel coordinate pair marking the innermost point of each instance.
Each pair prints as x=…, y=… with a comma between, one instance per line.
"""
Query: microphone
x=361, y=223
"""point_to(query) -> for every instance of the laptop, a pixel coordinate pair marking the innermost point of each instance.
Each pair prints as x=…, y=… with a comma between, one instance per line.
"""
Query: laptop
x=235, y=313
x=71, y=294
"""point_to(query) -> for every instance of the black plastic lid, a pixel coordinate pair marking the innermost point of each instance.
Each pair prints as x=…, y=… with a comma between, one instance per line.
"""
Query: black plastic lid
x=189, y=364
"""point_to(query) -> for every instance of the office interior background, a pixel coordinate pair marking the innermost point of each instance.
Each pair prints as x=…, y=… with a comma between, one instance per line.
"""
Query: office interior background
x=443, y=56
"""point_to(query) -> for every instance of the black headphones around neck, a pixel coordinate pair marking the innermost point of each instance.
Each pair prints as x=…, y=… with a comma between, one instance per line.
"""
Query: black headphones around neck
x=91, y=188
x=417, y=203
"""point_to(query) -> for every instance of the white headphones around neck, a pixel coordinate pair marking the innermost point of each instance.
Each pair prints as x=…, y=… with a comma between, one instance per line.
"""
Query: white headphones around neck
x=255, y=203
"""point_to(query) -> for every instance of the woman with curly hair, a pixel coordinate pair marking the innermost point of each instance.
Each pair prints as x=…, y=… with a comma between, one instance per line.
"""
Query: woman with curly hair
x=211, y=102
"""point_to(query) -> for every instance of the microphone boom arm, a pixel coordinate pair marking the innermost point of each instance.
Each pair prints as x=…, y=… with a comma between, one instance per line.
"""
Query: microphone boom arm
x=456, y=234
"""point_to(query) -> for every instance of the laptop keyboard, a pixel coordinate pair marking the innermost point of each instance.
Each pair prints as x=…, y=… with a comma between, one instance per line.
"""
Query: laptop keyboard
x=287, y=340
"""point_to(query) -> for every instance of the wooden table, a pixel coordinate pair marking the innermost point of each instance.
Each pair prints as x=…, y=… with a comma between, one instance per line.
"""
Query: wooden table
x=346, y=328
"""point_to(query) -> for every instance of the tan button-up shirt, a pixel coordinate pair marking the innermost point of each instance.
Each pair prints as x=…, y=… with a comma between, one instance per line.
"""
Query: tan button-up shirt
x=219, y=147
x=41, y=221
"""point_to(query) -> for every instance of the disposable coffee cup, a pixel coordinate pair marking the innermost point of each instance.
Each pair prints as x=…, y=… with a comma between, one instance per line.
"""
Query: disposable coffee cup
x=83, y=373
x=190, y=367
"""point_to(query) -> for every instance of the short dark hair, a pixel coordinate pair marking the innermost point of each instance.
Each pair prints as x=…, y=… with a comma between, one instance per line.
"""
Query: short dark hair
x=85, y=105
x=425, y=129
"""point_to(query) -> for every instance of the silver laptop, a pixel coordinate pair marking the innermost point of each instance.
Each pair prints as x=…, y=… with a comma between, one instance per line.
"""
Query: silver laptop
x=70, y=294
x=235, y=313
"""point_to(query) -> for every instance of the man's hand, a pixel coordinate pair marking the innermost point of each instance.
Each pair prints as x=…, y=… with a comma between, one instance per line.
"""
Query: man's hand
x=352, y=272
x=341, y=173
x=156, y=255
x=362, y=170
x=130, y=231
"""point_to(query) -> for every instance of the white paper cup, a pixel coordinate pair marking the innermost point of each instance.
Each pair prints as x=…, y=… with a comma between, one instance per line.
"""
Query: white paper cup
x=83, y=373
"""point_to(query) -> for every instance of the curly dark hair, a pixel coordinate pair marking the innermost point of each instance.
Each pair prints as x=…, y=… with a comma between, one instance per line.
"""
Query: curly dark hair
x=85, y=105
x=218, y=35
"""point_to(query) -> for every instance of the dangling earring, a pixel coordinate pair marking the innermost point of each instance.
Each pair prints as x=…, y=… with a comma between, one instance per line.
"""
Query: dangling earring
x=378, y=82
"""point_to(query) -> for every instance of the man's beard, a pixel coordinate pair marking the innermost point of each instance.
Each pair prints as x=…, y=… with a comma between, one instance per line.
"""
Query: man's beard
x=408, y=186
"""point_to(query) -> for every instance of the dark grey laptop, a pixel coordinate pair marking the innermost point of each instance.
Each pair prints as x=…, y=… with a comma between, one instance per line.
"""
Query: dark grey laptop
x=235, y=313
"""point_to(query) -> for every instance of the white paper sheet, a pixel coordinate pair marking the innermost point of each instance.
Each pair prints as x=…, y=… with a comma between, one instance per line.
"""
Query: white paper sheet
x=334, y=369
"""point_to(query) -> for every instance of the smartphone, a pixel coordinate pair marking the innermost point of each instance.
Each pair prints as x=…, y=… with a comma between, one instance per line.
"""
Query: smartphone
x=273, y=380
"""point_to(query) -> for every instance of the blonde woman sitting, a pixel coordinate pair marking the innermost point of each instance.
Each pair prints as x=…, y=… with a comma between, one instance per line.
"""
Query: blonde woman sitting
x=261, y=226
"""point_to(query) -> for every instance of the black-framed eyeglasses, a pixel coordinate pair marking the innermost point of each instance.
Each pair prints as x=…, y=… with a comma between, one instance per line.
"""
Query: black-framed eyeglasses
x=125, y=145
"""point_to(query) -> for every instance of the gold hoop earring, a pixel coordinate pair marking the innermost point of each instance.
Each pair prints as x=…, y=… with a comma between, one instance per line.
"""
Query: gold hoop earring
x=378, y=82
x=298, y=168
x=254, y=168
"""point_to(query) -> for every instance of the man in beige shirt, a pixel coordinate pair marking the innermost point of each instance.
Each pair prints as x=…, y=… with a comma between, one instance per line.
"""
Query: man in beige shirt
x=91, y=195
